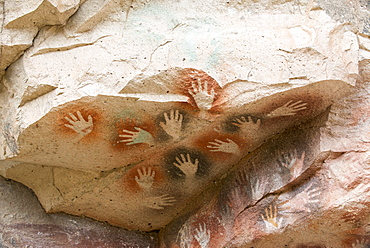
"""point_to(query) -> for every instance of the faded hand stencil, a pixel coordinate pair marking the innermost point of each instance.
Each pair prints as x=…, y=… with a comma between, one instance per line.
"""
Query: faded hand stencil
x=237, y=200
x=201, y=95
x=259, y=188
x=187, y=166
x=293, y=162
x=221, y=146
x=202, y=235
x=145, y=178
x=245, y=191
x=184, y=236
x=173, y=124
x=288, y=109
x=271, y=219
x=249, y=181
x=248, y=127
x=136, y=137
x=79, y=124
x=158, y=202
x=303, y=201
x=200, y=231
x=361, y=243
x=350, y=164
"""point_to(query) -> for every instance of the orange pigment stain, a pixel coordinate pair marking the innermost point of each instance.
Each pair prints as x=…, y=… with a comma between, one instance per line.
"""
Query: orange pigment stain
x=355, y=214
x=185, y=107
x=99, y=122
x=190, y=77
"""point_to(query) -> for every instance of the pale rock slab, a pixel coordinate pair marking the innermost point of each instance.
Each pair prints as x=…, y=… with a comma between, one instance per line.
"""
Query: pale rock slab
x=21, y=21
x=21, y=14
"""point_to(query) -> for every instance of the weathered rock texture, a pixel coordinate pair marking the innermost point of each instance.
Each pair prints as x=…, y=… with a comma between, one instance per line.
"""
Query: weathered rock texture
x=220, y=123
x=25, y=224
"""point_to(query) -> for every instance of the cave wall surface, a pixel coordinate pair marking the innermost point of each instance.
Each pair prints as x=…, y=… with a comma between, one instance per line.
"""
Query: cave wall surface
x=185, y=123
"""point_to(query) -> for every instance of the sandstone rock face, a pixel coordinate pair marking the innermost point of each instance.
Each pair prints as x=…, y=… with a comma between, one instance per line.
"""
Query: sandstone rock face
x=25, y=224
x=21, y=21
x=299, y=190
x=220, y=123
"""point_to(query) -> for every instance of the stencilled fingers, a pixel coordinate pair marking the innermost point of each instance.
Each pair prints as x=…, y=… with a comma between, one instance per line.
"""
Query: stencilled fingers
x=78, y=123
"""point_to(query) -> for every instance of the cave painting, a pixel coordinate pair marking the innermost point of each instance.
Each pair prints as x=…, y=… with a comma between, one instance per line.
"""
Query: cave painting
x=247, y=126
x=79, y=124
x=173, y=123
x=190, y=143
x=293, y=162
x=271, y=218
x=227, y=146
x=201, y=95
x=303, y=201
x=136, y=137
x=158, y=202
x=186, y=165
x=256, y=191
x=288, y=109
x=202, y=235
x=145, y=178
x=361, y=243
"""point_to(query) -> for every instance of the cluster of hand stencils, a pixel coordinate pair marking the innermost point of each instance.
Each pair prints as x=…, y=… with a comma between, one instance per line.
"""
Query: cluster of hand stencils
x=212, y=142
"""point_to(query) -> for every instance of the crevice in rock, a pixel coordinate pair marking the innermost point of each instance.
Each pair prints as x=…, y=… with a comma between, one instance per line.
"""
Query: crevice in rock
x=33, y=93
x=1, y=29
x=53, y=182
x=66, y=48
x=10, y=139
x=127, y=13
x=364, y=48
x=302, y=77
x=151, y=55
x=177, y=26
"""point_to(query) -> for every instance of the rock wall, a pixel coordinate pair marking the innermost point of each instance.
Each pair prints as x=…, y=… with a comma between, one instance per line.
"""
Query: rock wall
x=25, y=224
x=218, y=123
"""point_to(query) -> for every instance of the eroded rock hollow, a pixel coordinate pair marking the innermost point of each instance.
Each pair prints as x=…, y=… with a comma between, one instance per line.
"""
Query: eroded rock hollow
x=205, y=124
